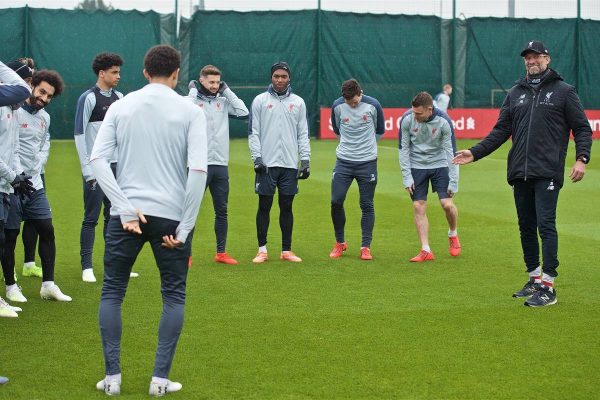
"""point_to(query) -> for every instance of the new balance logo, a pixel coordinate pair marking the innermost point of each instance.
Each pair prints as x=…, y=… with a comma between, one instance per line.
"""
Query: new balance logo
x=373, y=178
x=545, y=297
x=551, y=186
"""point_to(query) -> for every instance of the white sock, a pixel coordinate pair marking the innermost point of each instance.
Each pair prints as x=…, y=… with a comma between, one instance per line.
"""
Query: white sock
x=548, y=281
x=11, y=287
x=262, y=249
x=426, y=248
x=47, y=284
x=535, y=275
x=452, y=233
x=29, y=264
x=160, y=381
x=113, y=378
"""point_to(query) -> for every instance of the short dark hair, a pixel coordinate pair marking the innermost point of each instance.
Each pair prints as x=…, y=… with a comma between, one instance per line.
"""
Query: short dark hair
x=161, y=60
x=104, y=61
x=351, y=88
x=210, y=70
x=422, y=99
x=51, y=77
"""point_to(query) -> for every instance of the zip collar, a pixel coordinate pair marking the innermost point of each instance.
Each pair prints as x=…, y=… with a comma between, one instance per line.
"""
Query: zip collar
x=287, y=93
x=552, y=76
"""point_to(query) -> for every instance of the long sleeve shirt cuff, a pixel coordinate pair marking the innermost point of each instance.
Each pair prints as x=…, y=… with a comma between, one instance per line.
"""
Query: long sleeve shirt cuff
x=194, y=192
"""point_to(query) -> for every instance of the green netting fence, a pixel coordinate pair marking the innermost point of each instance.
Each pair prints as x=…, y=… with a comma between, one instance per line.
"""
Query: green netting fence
x=393, y=56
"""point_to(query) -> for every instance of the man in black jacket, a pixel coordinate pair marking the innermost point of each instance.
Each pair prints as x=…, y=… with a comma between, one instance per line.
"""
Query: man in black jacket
x=539, y=113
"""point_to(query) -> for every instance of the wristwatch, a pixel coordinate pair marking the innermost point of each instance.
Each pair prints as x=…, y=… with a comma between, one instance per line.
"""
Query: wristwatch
x=583, y=159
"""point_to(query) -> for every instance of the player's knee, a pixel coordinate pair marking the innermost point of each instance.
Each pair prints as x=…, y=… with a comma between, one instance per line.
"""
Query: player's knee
x=448, y=205
x=89, y=222
x=285, y=203
x=337, y=204
x=10, y=238
x=265, y=203
x=419, y=206
x=366, y=205
x=45, y=229
x=221, y=211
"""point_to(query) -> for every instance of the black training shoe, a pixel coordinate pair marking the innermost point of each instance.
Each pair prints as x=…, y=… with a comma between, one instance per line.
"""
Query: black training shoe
x=528, y=290
x=542, y=297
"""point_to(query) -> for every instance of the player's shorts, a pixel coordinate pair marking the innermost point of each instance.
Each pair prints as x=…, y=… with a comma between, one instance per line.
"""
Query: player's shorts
x=439, y=178
x=284, y=179
x=35, y=206
x=367, y=170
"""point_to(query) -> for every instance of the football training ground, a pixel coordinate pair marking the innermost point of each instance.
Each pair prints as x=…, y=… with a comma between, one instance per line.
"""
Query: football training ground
x=330, y=329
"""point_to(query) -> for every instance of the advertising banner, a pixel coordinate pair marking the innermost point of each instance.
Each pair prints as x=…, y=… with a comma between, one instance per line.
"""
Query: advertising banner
x=469, y=123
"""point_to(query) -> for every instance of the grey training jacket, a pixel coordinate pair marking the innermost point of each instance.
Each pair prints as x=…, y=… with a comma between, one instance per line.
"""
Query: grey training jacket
x=278, y=129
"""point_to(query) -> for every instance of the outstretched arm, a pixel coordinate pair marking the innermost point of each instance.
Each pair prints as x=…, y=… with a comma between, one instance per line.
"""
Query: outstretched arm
x=463, y=157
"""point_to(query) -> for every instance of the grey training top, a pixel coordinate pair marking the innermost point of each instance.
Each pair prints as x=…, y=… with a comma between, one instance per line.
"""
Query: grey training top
x=427, y=145
x=442, y=101
x=13, y=90
x=34, y=139
x=160, y=134
x=217, y=110
x=359, y=128
x=278, y=129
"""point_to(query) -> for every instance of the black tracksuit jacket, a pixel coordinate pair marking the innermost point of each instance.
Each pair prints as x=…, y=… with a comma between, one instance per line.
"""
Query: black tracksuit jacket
x=539, y=121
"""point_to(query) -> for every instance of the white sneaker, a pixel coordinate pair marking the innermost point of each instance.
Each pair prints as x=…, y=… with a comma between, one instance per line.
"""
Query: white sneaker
x=156, y=389
x=53, y=293
x=6, y=310
x=14, y=294
x=87, y=275
x=133, y=274
x=15, y=309
x=111, y=388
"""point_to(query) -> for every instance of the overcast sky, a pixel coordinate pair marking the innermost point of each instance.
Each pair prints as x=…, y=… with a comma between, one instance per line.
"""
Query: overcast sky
x=590, y=9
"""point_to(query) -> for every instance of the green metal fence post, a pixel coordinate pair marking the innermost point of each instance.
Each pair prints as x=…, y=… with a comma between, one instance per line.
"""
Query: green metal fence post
x=26, y=28
x=318, y=111
x=453, y=46
x=578, y=46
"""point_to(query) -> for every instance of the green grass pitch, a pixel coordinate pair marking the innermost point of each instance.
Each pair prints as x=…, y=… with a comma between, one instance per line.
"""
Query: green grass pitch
x=330, y=329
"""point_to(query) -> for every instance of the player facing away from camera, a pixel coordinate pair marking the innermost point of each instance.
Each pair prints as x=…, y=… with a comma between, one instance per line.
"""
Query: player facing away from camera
x=33, y=124
x=219, y=102
x=156, y=196
x=278, y=139
x=426, y=151
x=358, y=122
x=91, y=109
x=13, y=91
x=539, y=114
